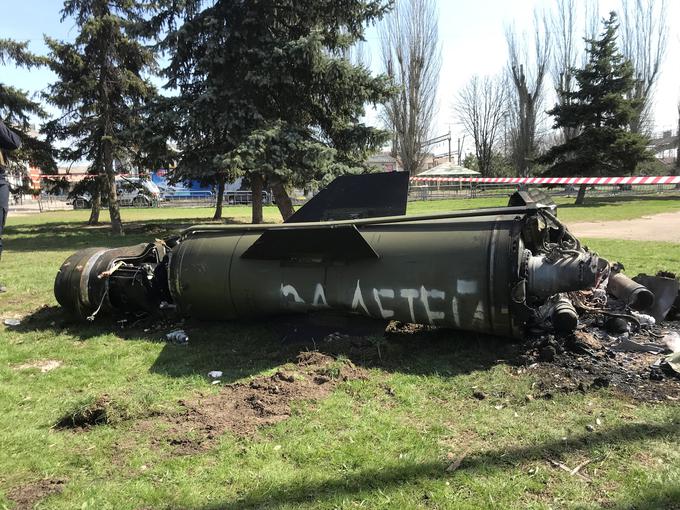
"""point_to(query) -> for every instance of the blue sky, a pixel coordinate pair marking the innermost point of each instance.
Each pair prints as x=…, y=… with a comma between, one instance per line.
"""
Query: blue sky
x=472, y=35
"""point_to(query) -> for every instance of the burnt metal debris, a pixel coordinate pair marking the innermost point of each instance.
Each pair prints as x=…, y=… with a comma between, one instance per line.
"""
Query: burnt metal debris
x=508, y=271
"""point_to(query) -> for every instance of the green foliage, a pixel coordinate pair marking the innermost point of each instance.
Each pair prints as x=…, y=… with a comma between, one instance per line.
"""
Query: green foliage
x=100, y=87
x=599, y=110
x=500, y=165
x=17, y=108
x=267, y=88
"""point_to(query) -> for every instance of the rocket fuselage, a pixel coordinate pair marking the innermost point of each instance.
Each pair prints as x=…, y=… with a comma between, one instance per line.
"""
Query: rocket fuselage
x=487, y=270
x=453, y=272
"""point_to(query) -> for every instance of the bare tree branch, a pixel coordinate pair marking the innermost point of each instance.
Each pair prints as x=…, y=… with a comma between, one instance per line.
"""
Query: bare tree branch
x=411, y=55
x=527, y=74
x=481, y=107
x=644, y=37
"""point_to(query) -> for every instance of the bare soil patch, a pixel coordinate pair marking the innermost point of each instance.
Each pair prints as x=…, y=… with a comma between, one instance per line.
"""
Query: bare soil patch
x=26, y=496
x=657, y=227
x=242, y=408
x=44, y=365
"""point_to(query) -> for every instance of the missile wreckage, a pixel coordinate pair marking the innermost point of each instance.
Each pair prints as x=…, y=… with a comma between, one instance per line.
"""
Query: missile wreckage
x=503, y=271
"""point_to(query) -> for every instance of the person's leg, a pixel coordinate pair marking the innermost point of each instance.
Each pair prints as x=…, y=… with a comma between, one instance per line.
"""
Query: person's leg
x=4, y=205
x=3, y=216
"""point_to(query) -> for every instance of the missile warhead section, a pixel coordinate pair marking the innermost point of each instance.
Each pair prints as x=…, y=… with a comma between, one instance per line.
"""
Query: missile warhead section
x=496, y=270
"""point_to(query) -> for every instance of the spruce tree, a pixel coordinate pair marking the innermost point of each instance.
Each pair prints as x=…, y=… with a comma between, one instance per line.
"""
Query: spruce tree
x=18, y=109
x=101, y=90
x=599, y=110
x=267, y=92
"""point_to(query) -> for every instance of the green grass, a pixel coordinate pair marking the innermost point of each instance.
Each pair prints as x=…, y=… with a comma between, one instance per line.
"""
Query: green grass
x=360, y=447
x=595, y=209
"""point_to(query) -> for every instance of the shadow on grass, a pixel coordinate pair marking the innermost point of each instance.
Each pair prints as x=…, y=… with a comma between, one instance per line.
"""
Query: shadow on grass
x=74, y=236
x=365, y=481
x=243, y=348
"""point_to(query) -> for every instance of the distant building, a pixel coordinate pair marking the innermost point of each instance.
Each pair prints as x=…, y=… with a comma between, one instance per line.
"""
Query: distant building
x=383, y=162
x=664, y=145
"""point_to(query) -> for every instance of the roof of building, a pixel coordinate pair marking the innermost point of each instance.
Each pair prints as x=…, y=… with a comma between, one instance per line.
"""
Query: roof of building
x=449, y=169
x=381, y=157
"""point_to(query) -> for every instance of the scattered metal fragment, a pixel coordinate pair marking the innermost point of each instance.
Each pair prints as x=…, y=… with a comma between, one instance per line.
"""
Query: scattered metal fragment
x=177, y=337
x=637, y=296
x=671, y=363
x=665, y=292
x=625, y=344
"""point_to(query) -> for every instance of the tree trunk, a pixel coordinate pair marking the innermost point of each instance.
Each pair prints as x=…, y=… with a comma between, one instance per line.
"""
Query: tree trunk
x=677, y=145
x=114, y=207
x=283, y=201
x=96, y=202
x=220, y=198
x=581, y=196
x=256, y=186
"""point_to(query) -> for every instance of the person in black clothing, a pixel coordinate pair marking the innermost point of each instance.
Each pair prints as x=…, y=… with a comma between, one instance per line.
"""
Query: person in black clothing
x=9, y=141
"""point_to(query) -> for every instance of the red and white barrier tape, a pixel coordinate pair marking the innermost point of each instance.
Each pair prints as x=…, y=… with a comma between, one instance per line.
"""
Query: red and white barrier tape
x=601, y=181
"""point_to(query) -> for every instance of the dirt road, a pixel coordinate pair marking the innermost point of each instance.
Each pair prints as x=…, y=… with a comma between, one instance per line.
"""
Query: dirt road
x=658, y=227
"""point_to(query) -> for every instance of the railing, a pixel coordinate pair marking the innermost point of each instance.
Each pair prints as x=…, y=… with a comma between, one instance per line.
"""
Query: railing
x=422, y=189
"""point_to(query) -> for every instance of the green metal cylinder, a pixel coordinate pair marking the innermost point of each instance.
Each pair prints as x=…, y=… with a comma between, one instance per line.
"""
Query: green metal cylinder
x=451, y=272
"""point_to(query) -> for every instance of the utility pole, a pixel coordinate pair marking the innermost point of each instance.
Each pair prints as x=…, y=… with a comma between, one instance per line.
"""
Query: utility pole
x=438, y=139
x=460, y=150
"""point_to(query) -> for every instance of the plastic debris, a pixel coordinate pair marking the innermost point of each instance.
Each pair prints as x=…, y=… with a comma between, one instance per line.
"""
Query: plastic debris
x=164, y=305
x=672, y=341
x=214, y=374
x=645, y=320
x=12, y=322
x=672, y=363
x=178, y=336
x=625, y=344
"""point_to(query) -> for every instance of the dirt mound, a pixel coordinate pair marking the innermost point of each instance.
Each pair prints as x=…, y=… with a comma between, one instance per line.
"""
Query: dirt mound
x=26, y=496
x=244, y=407
x=84, y=416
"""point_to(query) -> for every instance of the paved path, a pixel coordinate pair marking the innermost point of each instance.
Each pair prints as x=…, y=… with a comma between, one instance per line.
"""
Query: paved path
x=658, y=227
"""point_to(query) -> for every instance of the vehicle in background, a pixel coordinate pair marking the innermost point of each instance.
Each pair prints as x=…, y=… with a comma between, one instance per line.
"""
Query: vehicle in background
x=245, y=197
x=169, y=192
x=132, y=192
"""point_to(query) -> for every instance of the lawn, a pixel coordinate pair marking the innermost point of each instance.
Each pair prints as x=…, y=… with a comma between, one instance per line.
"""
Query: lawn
x=393, y=439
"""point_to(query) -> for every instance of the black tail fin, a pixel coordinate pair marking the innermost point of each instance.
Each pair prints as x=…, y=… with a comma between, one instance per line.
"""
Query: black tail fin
x=351, y=197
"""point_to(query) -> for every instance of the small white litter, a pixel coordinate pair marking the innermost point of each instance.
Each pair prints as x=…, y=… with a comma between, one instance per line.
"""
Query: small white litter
x=215, y=374
x=645, y=320
x=672, y=341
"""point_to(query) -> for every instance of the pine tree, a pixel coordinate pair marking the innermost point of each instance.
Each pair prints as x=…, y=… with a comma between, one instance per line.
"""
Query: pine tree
x=18, y=109
x=267, y=92
x=600, y=110
x=101, y=90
